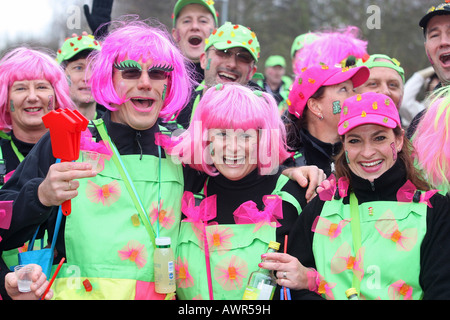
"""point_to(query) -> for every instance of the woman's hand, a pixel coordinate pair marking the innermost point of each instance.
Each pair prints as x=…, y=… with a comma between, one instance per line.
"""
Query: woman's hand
x=289, y=271
x=306, y=176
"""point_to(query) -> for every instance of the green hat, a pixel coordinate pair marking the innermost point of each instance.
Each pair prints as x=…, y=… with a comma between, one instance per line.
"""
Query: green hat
x=209, y=4
x=276, y=60
x=75, y=45
x=301, y=40
x=234, y=35
x=393, y=64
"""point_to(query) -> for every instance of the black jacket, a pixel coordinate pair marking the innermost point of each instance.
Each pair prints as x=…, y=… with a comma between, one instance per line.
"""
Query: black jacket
x=316, y=152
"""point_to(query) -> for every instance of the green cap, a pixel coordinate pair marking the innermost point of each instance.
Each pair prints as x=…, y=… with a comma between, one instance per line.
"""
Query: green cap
x=209, y=4
x=275, y=60
x=234, y=35
x=392, y=64
x=75, y=45
x=301, y=40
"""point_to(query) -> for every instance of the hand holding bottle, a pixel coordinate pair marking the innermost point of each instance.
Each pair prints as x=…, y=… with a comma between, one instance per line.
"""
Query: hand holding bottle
x=289, y=271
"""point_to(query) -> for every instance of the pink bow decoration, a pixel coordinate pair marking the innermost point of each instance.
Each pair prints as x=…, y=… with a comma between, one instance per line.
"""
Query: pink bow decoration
x=248, y=213
x=343, y=260
x=388, y=228
x=399, y=290
x=5, y=215
x=327, y=228
x=409, y=193
x=329, y=193
x=204, y=212
x=166, y=141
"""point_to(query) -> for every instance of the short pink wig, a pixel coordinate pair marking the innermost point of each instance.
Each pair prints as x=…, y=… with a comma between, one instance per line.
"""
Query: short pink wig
x=331, y=48
x=135, y=40
x=431, y=141
x=29, y=64
x=233, y=106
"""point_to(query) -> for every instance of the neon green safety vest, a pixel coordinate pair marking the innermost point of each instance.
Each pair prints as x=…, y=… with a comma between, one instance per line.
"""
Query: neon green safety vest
x=387, y=236
x=234, y=253
x=109, y=250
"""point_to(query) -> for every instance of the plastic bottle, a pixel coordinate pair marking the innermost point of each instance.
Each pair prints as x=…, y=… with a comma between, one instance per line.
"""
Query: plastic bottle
x=351, y=294
x=164, y=266
x=262, y=283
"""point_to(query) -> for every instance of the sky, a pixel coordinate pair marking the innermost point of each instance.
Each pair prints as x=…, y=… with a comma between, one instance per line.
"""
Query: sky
x=24, y=19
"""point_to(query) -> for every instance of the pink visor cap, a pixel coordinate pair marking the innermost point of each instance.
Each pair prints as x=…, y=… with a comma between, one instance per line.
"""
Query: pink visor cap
x=312, y=78
x=368, y=108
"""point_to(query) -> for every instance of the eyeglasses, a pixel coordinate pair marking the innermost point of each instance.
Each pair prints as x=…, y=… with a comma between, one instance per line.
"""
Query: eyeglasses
x=133, y=71
x=241, y=56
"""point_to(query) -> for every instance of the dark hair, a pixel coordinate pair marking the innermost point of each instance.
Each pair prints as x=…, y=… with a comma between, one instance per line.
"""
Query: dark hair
x=412, y=174
x=80, y=55
x=294, y=124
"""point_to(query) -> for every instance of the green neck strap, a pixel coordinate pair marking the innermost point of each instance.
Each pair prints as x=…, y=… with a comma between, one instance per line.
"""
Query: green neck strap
x=356, y=234
x=128, y=182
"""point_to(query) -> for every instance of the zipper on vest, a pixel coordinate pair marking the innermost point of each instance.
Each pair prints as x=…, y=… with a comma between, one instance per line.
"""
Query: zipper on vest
x=372, y=184
x=138, y=138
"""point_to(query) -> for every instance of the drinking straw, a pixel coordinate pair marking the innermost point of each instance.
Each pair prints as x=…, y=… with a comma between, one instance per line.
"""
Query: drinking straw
x=286, y=291
x=53, y=278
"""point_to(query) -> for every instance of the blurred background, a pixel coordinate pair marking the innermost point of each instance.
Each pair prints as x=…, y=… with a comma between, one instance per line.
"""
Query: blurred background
x=390, y=26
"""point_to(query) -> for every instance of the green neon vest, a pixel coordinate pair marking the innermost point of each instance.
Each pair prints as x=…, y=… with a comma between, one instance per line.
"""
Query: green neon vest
x=388, y=269
x=235, y=251
x=109, y=253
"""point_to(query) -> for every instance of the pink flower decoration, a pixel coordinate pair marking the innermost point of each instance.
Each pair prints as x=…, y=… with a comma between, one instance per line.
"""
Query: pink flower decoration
x=184, y=279
x=135, y=252
x=327, y=228
x=218, y=239
x=230, y=273
x=388, y=228
x=399, y=290
x=106, y=194
x=166, y=215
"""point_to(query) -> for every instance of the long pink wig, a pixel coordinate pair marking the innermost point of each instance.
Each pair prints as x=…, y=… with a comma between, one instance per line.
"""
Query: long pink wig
x=135, y=40
x=331, y=48
x=29, y=64
x=233, y=106
x=432, y=141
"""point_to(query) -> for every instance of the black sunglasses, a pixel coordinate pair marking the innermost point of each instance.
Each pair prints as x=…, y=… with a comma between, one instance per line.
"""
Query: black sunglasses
x=241, y=56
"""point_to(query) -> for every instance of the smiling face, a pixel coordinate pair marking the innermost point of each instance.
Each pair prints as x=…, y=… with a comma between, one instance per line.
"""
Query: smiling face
x=371, y=150
x=437, y=45
x=144, y=92
x=29, y=100
x=225, y=66
x=386, y=81
x=234, y=152
x=193, y=26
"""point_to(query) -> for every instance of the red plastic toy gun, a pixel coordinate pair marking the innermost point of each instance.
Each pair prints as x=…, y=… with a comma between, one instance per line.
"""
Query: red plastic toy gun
x=65, y=128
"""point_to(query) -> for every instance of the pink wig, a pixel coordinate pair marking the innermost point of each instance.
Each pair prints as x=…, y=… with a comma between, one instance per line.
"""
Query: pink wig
x=331, y=48
x=432, y=141
x=28, y=64
x=233, y=106
x=135, y=40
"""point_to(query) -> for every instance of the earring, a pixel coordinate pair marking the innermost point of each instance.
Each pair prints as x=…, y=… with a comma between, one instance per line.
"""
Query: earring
x=211, y=149
x=320, y=116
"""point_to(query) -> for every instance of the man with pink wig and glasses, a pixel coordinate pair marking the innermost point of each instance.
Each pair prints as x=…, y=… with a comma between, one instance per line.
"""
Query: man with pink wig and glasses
x=133, y=196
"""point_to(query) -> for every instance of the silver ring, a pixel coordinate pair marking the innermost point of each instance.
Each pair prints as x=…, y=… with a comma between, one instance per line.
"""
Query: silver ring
x=70, y=186
x=284, y=275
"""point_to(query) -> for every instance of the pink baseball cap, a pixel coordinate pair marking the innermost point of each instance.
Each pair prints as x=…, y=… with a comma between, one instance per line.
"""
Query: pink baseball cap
x=368, y=108
x=312, y=78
